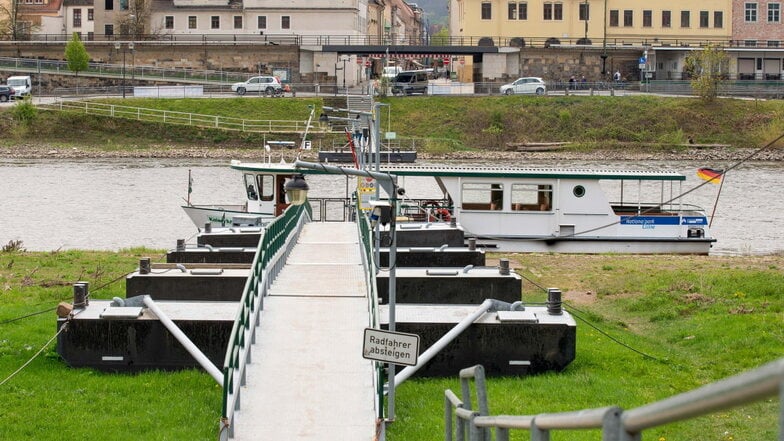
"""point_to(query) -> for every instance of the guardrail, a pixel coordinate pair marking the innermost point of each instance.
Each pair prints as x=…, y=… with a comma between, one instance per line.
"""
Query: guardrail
x=180, y=118
x=615, y=423
x=274, y=245
x=383, y=40
x=368, y=259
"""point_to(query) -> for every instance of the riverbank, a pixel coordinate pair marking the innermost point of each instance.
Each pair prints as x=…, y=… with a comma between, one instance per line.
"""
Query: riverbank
x=703, y=154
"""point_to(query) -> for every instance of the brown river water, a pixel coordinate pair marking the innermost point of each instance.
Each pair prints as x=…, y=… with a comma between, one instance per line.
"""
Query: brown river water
x=110, y=204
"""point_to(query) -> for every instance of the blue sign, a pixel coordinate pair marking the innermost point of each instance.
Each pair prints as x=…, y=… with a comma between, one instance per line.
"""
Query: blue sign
x=643, y=60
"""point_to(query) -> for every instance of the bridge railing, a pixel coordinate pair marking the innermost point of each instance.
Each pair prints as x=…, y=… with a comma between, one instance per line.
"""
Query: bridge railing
x=275, y=244
x=616, y=424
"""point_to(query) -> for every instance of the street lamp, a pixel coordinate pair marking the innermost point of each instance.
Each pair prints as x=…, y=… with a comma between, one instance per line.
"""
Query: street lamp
x=118, y=46
x=297, y=189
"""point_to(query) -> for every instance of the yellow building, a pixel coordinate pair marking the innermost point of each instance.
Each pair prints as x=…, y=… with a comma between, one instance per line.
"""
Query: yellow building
x=630, y=21
x=593, y=24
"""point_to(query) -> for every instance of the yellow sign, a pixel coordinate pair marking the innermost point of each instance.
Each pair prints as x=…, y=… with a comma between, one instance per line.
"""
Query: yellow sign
x=366, y=188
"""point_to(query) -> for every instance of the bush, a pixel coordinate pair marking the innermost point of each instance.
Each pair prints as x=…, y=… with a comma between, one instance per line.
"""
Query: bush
x=24, y=112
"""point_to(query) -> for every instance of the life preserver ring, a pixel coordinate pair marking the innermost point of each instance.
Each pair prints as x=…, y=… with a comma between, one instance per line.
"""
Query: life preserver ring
x=441, y=214
x=436, y=212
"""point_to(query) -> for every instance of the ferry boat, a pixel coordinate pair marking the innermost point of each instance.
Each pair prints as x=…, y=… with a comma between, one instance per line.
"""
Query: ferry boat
x=518, y=209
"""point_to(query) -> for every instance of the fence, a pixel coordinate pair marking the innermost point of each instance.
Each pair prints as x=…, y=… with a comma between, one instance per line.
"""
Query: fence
x=275, y=244
x=180, y=118
x=615, y=423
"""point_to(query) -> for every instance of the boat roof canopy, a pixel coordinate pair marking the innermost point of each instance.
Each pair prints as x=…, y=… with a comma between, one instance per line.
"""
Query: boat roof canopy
x=478, y=171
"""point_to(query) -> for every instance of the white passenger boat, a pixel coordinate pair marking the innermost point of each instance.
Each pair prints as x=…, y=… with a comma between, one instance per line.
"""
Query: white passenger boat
x=527, y=209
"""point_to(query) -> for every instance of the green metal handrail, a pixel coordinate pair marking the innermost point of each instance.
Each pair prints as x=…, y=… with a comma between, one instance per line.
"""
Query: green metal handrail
x=273, y=240
x=366, y=234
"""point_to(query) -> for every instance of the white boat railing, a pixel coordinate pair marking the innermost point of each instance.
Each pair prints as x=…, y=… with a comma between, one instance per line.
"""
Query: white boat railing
x=616, y=424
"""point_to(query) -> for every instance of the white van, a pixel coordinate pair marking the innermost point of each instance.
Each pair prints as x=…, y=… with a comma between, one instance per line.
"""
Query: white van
x=390, y=72
x=23, y=85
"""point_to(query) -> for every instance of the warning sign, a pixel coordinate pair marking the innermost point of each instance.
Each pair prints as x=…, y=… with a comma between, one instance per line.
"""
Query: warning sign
x=366, y=189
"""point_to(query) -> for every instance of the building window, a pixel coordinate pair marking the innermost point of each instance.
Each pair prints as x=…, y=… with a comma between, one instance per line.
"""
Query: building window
x=548, y=11
x=108, y=29
x=237, y=22
x=192, y=22
x=704, y=19
x=558, y=11
x=751, y=12
x=77, y=18
x=261, y=21
x=123, y=5
x=90, y=14
x=168, y=22
x=522, y=11
x=750, y=43
x=774, y=12
x=666, y=19
x=285, y=22
x=718, y=19
x=685, y=16
x=773, y=43
x=585, y=12
x=614, y=18
x=215, y=22
x=108, y=5
x=486, y=11
x=91, y=36
x=647, y=19
x=628, y=18
x=512, y=11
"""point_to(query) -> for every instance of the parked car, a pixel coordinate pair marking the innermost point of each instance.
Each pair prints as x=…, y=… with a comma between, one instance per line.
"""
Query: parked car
x=411, y=81
x=6, y=93
x=525, y=85
x=267, y=84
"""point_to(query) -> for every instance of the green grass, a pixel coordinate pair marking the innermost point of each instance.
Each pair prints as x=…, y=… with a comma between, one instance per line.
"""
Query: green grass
x=447, y=123
x=50, y=401
x=700, y=318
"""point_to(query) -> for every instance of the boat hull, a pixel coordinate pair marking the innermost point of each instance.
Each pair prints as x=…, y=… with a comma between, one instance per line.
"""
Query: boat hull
x=219, y=216
x=597, y=245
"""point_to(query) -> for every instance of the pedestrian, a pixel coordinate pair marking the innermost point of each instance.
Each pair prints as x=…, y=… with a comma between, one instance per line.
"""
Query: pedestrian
x=617, y=76
x=572, y=83
x=583, y=82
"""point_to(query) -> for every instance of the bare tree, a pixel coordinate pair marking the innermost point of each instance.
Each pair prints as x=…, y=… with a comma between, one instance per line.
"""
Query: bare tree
x=13, y=25
x=134, y=21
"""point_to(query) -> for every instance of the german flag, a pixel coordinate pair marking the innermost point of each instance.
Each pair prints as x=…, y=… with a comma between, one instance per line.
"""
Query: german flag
x=710, y=174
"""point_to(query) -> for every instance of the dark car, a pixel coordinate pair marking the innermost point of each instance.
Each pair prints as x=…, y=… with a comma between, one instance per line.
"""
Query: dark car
x=6, y=93
x=409, y=82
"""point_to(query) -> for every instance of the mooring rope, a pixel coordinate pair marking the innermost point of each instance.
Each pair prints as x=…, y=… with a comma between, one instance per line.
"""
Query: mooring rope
x=36, y=354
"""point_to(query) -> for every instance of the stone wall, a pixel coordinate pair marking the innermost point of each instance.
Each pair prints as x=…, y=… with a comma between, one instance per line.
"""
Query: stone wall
x=560, y=64
x=228, y=57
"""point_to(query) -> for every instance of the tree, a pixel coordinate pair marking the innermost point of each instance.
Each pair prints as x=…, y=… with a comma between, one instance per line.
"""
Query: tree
x=133, y=22
x=440, y=38
x=76, y=55
x=12, y=23
x=708, y=70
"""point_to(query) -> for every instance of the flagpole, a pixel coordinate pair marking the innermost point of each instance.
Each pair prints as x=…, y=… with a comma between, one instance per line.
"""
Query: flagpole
x=715, y=204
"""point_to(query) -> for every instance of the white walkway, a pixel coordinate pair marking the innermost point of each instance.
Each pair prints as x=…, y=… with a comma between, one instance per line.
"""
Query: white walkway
x=307, y=379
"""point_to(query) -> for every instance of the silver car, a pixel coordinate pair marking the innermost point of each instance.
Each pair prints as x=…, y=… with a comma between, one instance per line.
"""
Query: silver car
x=525, y=85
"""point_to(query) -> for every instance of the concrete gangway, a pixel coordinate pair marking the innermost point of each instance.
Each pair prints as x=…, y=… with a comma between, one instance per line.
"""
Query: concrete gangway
x=307, y=379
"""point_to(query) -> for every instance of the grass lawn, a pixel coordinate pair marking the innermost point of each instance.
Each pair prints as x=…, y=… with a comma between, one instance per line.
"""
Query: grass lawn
x=697, y=319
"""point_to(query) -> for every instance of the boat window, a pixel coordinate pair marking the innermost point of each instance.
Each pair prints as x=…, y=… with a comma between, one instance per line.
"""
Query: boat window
x=579, y=191
x=532, y=197
x=250, y=187
x=267, y=186
x=482, y=196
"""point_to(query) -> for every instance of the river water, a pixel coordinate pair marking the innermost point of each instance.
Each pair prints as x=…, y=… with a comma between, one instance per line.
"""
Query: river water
x=118, y=203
